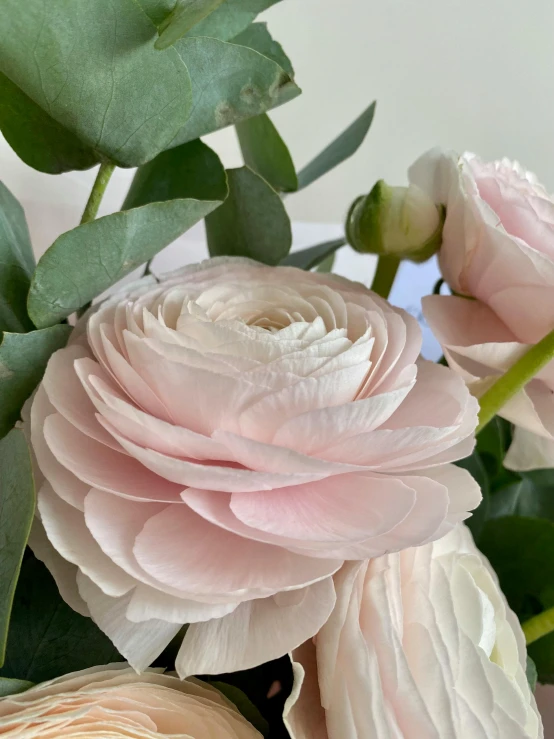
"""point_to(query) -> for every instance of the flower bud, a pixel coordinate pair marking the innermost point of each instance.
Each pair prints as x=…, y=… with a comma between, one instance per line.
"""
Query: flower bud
x=400, y=222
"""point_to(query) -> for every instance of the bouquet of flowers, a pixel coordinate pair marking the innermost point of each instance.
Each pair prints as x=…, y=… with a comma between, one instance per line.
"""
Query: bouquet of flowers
x=234, y=500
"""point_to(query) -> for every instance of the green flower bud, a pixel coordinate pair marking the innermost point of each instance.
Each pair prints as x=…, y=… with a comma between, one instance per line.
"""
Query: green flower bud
x=400, y=222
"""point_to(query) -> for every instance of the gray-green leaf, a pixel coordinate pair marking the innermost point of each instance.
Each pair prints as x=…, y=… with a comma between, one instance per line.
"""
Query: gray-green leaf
x=229, y=83
x=93, y=68
x=244, y=705
x=314, y=255
x=11, y=686
x=231, y=18
x=84, y=262
x=257, y=37
x=184, y=16
x=17, y=508
x=47, y=638
x=191, y=170
x=23, y=359
x=341, y=149
x=266, y=153
x=16, y=264
x=37, y=139
x=252, y=222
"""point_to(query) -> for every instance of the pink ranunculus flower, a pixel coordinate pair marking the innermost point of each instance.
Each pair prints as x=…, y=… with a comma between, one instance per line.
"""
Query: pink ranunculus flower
x=498, y=247
x=215, y=446
x=113, y=701
x=421, y=645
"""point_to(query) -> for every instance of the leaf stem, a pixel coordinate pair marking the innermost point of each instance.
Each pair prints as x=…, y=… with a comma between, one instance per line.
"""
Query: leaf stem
x=538, y=626
x=515, y=379
x=387, y=267
x=97, y=192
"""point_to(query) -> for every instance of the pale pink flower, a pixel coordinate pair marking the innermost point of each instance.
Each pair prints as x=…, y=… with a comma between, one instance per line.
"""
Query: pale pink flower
x=420, y=645
x=113, y=701
x=498, y=247
x=216, y=446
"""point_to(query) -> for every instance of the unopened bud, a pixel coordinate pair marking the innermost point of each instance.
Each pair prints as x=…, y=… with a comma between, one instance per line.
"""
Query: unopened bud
x=396, y=221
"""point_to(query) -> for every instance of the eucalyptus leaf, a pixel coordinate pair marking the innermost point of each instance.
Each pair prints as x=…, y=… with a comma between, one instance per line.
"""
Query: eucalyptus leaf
x=327, y=264
x=185, y=15
x=23, y=359
x=266, y=153
x=314, y=255
x=542, y=654
x=191, y=170
x=531, y=496
x=341, y=149
x=47, y=638
x=474, y=465
x=521, y=550
x=244, y=705
x=93, y=68
x=257, y=37
x=86, y=261
x=17, y=509
x=37, y=139
x=252, y=222
x=531, y=673
x=229, y=83
x=16, y=264
x=10, y=686
x=231, y=18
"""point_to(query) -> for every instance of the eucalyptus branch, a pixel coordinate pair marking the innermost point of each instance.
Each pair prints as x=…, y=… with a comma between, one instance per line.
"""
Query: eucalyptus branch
x=97, y=193
x=515, y=379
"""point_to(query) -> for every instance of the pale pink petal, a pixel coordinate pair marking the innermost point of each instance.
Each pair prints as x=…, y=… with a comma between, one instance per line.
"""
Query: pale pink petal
x=303, y=714
x=529, y=451
x=140, y=644
x=200, y=559
x=257, y=632
x=66, y=530
x=461, y=322
x=104, y=468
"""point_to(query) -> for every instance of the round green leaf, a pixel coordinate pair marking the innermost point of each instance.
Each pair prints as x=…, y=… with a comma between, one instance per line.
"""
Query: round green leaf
x=93, y=68
x=191, y=170
x=258, y=37
x=23, y=359
x=266, y=153
x=231, y=18
x=185, y=15
x=86, y=261
x=252, y=222
x=17, y=509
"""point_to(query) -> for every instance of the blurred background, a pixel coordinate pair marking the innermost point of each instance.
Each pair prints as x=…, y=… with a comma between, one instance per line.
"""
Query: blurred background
x=463, y=74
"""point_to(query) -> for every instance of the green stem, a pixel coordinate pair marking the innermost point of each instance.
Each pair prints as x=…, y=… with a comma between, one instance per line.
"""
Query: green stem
x=539, y=626
x=387, y=267
x=515, y=379
x=97, y=192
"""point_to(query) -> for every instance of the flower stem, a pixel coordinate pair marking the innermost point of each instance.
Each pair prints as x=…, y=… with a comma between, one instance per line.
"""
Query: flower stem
x=539, y=626
x=97, y=192
x=387, y=267
x=515, y=379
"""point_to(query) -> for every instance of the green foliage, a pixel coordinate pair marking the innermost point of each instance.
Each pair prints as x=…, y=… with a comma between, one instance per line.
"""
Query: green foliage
x=231, y=18
x=9, y=686
x=252, y=222
x=266, y=153
x=191, y=170
x=314, y=255
x=339, y=150
x=257, y=37
x=17, y=508
x=23, y=359
x=229, y=83
x=84, y=262
x=16, y=264
x=94, y=70
x=37, y=138
x=244, y=704
x=531, y=673
x=47, y=638
x=185, y=15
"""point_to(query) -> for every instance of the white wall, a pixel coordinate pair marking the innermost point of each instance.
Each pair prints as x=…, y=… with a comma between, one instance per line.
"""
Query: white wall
x=465, y=74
